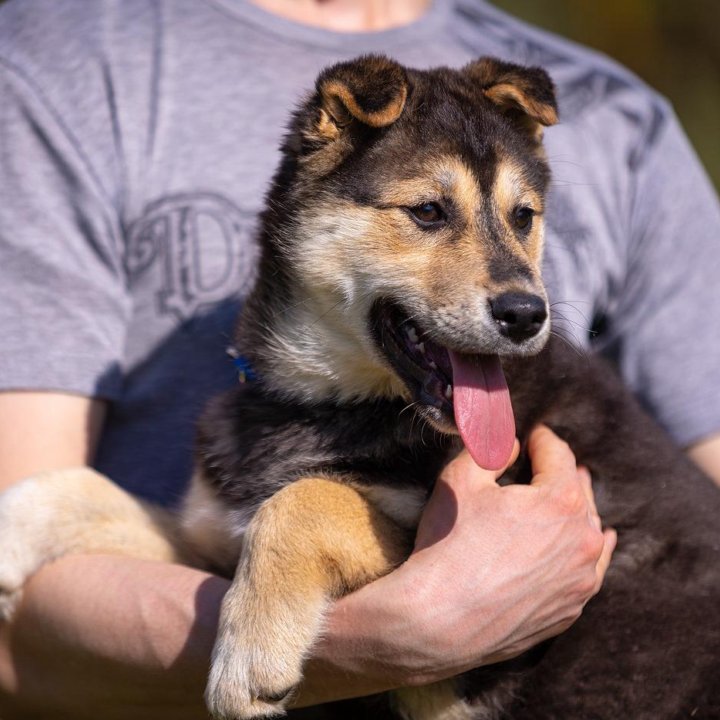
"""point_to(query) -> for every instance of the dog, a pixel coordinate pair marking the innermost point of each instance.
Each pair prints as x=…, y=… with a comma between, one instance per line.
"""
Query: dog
x=399, y=288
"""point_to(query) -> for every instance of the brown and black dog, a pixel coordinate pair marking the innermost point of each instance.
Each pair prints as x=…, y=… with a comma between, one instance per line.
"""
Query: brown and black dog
x=399, y=286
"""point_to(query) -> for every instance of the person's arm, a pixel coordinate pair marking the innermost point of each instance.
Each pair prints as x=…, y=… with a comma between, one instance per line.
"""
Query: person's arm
x=706, y=454
x=97, y=636
x=45, y=431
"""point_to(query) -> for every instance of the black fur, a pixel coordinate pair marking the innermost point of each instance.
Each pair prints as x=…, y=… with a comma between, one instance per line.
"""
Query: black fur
x=270, y=443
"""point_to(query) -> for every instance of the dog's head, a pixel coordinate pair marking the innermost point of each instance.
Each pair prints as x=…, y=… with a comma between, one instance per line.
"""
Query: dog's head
x=403, y=239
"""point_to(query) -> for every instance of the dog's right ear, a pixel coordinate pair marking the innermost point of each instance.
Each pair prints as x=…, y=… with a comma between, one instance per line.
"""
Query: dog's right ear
x=370, y=90
x=526, y=95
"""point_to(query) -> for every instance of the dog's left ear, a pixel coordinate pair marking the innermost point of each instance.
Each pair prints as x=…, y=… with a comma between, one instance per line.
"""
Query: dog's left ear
x=525, y=94
x=370, y=90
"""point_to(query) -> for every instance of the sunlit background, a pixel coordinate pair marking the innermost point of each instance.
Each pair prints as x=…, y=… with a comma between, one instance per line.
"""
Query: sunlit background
x=674, y=45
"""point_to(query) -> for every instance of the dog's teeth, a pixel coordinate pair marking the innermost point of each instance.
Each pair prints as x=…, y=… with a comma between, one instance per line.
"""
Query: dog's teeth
x=432, y=364
x=420, y=347
x=412, y=334
x=448, y=392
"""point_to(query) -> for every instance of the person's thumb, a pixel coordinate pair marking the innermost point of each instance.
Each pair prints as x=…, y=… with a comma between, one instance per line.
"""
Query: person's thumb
x=460, y=478
x=463, y=469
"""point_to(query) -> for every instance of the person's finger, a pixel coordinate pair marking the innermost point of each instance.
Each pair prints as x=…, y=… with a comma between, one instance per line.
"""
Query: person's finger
x=604, y=562
x=463, y=468
x=585, y=480
x=513, y=457
x=551, y=458
x=586, y=483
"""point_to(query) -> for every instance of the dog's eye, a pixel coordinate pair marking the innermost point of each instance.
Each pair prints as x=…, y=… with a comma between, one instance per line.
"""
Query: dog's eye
x=428, y=214
x=522, y=217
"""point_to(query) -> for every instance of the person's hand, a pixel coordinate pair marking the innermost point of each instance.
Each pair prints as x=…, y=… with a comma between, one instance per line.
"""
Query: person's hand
x=533, y=555
x=495, y=570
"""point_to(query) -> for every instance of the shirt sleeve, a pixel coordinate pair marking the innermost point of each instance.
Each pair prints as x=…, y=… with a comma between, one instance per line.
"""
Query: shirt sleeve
x=667, y=321
x=64, y=306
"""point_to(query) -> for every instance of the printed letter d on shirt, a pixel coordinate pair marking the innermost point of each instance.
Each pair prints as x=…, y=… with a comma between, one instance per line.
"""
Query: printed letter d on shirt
x=198, y=248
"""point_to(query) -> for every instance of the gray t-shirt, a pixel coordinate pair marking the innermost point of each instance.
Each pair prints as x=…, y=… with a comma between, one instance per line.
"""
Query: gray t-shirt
x=137, y=140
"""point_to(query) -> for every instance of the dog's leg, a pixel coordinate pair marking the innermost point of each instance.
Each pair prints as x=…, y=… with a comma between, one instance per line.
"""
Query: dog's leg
x=439, y=701
x=313, y=541
x=57, y=513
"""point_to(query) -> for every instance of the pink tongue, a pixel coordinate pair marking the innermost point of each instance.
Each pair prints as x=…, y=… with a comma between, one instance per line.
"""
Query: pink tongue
x=483, y=412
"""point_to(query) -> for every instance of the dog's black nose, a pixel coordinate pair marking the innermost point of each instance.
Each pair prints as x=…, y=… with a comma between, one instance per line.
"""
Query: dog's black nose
x=519, y=316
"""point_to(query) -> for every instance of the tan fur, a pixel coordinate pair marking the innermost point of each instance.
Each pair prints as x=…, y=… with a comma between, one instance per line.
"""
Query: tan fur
x=334, y=91
x=510, y=191
x=325, y=127
x=313, y=541
x=444, y=177
x=512, y=95
x=438, y=701
x=465, y=190
x=334, y=146
x=320, y=347
x=78, y=510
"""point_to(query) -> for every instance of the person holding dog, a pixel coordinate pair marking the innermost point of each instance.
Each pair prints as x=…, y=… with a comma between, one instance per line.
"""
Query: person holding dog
x=113, y=171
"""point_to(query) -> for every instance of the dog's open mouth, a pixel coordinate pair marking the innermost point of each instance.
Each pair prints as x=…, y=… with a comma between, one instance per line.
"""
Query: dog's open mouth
x=452, y=389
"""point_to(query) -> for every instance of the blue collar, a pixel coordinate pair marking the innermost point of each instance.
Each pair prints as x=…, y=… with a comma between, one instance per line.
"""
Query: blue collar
x=246, y=373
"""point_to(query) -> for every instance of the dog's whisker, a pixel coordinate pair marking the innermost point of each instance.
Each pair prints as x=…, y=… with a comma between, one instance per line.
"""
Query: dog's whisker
x=572, y=344
x=422, y=431
x=409, y=406
x=578, y=351
x=287, y=308
x=571, y=183
x=572, y=304
x=336, y=305
x=559, y=317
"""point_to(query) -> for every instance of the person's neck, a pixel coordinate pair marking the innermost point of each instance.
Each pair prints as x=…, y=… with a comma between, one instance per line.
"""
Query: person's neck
x=348, y=15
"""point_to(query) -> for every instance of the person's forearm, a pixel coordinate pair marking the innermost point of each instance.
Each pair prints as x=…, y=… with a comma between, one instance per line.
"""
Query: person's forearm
x=96, y=635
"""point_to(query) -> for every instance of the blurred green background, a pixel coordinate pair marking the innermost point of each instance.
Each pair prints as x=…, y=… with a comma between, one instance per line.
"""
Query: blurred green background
x=674, y=45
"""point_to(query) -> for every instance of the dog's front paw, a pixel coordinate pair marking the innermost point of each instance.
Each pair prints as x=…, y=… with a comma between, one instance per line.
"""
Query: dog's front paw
x=259, y=653
x=246, y=683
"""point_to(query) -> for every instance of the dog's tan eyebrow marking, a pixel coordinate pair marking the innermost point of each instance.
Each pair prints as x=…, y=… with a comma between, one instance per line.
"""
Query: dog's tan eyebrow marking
x=511, y=189
x=446, y=176
x=465, y=189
